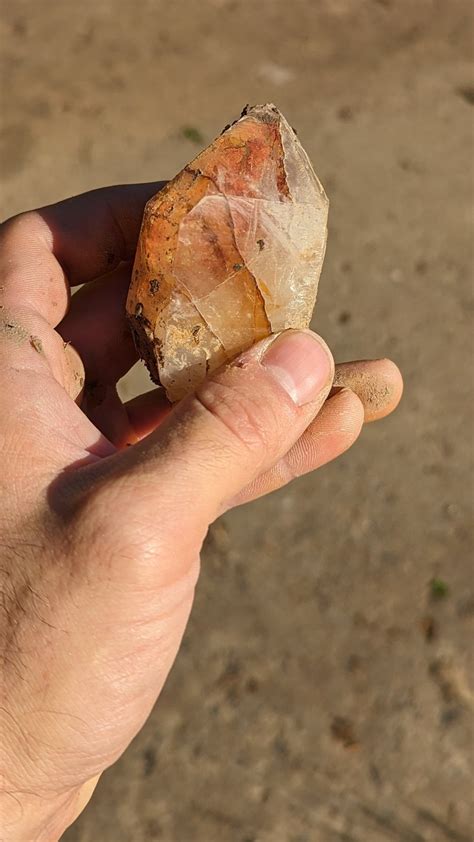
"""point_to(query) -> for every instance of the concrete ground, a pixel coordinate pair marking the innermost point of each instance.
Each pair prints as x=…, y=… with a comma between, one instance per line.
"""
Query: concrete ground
x=322, y=692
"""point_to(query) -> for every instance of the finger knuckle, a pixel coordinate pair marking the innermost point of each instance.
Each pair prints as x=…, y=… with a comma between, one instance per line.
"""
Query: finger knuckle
x=21, y=223
x=247, y=423
x=288, y=469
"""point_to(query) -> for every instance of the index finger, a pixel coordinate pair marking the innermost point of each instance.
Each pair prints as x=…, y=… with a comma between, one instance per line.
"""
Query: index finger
x=44, y=252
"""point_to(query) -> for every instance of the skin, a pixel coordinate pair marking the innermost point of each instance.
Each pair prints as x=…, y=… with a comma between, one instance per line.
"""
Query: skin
x=105, y=506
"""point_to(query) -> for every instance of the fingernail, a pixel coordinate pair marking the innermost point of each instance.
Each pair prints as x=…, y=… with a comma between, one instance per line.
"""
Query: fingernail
x=300, y=363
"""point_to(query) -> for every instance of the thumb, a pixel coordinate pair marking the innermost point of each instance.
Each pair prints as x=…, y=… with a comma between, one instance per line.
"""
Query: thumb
x=237, y=424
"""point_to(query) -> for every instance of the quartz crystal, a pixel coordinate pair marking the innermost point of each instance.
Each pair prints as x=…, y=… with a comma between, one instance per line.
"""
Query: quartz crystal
x=230, y=251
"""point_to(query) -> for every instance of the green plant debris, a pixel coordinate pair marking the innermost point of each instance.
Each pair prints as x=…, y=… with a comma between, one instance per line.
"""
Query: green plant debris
x=193, y=134
x=439, y=588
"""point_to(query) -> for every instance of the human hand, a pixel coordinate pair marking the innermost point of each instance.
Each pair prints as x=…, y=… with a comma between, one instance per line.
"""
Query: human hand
x=100, y=541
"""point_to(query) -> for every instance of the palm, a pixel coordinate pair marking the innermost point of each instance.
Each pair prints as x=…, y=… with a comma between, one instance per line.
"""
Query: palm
x=121, y=679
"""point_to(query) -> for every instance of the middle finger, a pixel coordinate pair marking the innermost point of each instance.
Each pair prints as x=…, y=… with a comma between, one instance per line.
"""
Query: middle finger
x=96, y=326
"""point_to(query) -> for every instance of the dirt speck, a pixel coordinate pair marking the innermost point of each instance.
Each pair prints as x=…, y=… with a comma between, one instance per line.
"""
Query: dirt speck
x=345, y=113
x=429, y=628
x=14, y=330
x=344, y=317
x=37, y=344
x=343, y=731
x=466, y=93
x=149, y=761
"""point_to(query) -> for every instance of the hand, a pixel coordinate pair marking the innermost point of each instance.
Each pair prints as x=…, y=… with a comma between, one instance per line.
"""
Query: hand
x=99, y=542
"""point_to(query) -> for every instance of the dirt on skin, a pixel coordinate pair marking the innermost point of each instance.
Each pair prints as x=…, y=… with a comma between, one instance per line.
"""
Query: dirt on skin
x=322, y=693
x=378, y=393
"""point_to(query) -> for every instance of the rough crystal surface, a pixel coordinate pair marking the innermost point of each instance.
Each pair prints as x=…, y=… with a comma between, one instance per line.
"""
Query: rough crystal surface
x=229, y=251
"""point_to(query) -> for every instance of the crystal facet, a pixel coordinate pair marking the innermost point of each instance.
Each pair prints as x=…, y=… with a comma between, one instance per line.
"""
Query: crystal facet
x=230, y=251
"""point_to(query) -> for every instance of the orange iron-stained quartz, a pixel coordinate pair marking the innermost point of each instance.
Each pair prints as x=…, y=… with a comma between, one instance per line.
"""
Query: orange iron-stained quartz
x=230, y=251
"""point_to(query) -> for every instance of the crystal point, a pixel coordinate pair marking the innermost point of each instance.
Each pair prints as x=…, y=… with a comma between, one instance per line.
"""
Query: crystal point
x=229, y=251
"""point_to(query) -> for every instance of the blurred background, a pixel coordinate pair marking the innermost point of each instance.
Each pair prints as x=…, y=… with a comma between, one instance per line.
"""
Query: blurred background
x=322, y=692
